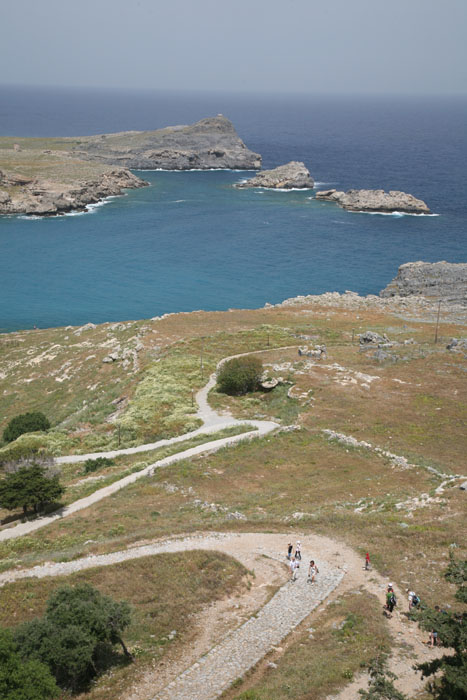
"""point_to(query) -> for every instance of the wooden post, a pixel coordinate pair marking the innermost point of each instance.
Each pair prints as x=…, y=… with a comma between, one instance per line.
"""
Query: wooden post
x=437, y=322
x=119, y=432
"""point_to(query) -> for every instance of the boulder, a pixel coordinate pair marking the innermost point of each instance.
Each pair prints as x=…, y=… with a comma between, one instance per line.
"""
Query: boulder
x=439, y=281
x=375, y=201
x=293, y=175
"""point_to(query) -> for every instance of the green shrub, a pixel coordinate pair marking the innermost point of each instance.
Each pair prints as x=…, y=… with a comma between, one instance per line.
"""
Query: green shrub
x=92, y=465
x=25, y=423
x=239, y=376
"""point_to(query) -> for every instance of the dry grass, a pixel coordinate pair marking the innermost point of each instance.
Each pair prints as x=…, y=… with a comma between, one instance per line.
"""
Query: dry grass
x=415, y=407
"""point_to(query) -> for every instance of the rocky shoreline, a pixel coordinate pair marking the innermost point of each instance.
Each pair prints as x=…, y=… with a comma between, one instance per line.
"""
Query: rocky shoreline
x=437, y=281
x=42, y=197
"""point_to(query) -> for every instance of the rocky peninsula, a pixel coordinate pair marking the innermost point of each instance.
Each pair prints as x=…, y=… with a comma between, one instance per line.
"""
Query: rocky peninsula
x=50, y=176
x=377, y=201
x=293, y=175
x=207, y=144
x=439, y=280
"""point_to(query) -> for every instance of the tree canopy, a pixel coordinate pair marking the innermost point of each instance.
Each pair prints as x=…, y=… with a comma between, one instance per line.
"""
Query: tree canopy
x=75, y=634
x=29, y=486
x=451, y=681
x=25, y=423
x=240, y=375
x=20, y=679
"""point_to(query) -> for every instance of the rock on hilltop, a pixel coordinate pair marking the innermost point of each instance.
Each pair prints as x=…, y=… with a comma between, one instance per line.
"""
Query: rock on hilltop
x=209, y=143
x=440, y=280
x=293, y=175
x=375, y=201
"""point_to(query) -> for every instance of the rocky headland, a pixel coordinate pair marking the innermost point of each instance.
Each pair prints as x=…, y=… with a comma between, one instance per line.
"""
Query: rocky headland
x=49, y=176
x=440, y=280
x=375, y=201
x=207, y=144
x=46, y=195
x=293, y=175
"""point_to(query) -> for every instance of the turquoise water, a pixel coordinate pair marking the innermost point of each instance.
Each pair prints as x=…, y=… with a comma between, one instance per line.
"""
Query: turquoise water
x=193, y=241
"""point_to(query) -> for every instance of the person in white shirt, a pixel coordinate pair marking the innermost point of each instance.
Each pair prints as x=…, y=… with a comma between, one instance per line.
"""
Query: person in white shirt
x=312, y=571
x=294, y=565
x=298, y=551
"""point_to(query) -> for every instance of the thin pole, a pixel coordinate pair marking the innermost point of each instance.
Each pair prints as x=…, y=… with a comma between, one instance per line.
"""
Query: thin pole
x=437, y=321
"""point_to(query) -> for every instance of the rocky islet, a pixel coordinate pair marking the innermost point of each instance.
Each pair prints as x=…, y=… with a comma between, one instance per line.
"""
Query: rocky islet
x=377, y=201
x=293, y=175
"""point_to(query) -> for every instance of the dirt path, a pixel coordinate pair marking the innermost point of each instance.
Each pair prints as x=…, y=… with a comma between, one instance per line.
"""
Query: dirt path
x=222, y=654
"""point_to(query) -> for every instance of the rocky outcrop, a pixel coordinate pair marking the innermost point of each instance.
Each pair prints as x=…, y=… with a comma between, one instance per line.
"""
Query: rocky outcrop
x=293, y=175
x=44, y=197
x=207, y=144
x=440, y=280
x=375, y=201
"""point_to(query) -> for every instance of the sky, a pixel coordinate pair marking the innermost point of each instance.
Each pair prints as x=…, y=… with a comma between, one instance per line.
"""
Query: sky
x=305, y=46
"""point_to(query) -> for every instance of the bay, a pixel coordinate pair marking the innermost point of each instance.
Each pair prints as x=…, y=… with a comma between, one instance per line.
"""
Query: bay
x=193, y=241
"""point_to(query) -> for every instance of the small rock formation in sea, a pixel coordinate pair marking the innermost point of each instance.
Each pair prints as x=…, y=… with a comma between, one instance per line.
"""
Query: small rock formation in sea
x=375, y=201
x=209, y=143
x=439, y=280
x=293, y=175
x=44, y=196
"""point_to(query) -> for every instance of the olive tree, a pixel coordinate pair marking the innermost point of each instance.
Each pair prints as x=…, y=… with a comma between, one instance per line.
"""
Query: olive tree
x=76, y=634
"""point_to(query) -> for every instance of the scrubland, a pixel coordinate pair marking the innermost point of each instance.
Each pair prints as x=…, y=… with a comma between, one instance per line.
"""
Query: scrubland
x=408, y=514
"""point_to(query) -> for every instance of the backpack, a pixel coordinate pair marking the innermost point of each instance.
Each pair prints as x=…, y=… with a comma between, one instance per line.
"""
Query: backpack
x=415, y=600
x=392, y=599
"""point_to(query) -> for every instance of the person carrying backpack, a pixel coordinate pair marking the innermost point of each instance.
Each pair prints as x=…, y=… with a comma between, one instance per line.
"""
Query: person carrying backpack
x=391, y=600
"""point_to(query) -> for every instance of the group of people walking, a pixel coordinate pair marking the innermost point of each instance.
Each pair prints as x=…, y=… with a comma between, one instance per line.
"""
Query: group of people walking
x=294, y=563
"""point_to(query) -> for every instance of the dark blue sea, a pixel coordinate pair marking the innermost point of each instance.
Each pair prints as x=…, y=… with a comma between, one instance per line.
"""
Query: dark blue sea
x=192, y=241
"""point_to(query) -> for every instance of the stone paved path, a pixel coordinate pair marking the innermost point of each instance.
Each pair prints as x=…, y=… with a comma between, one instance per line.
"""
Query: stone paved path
x=244, y=647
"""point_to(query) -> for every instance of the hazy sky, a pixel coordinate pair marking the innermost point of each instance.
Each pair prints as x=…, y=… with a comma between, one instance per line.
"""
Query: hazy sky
x=336, y=46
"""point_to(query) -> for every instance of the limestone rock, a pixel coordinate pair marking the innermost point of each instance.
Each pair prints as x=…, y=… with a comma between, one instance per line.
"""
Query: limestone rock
x=440, y=280
x=207, y=144
x=46, y=197
x=293, y=175
x=375, y=201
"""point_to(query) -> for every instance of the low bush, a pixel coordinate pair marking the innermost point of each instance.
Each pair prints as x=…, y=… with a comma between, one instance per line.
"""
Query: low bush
x=239, y=376
x=25, y=423
x=92, y=465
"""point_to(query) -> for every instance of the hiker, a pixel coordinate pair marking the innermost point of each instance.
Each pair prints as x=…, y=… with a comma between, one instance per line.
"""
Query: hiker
x=367, y=561
x=414, y=600
x=433, y=638
x=289, y=550
x=391, y=601
x=294, y=565
x=312, y=571
x=298, y=551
